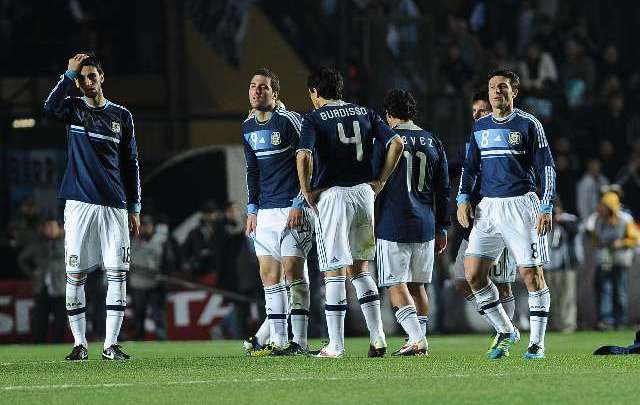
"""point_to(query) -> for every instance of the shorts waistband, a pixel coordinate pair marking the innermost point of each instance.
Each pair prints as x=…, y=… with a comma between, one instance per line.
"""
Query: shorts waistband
x=507, y=199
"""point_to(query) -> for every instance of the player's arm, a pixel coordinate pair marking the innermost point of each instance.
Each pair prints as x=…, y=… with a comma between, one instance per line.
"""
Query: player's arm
x=57, y=105
x=131, y=174
x=253, y=189
x=442, y=190
x=393, y=145
x=470, y=170
x=304, y=161
x=546, y=174
x=294, y=127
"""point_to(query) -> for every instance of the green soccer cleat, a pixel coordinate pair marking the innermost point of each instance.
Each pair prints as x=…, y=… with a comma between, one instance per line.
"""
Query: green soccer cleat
x=534, y=352
x=251, y=345
x=265, y=350
x=503, y=343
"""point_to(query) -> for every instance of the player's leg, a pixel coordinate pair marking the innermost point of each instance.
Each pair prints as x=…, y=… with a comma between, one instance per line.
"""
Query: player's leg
x=420, y=298
x=76, y=305
x=276, y=302
x=507, y=299
x=461, y=284
x=503, y=274
x=300, y=301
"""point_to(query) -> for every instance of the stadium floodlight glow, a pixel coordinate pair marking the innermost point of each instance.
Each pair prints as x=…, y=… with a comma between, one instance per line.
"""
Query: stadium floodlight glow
x=19, y=123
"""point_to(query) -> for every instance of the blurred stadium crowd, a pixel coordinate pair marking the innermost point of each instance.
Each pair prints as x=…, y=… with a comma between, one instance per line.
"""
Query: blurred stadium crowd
x=579, y=76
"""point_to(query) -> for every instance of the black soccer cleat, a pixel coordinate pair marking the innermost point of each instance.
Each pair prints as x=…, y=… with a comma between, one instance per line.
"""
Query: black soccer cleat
x=376, y=352
x=78, y=353
x=114, y=352
x=290, y=349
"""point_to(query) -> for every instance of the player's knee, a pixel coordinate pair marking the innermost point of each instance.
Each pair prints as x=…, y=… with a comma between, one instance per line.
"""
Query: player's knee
x=533, y=278
x=293, y=267
x=504, y=289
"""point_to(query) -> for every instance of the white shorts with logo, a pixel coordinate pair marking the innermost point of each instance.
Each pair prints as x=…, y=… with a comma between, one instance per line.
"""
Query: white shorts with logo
x=398, y=262
x=274, y=238
x=511, y=223
x=95, y=235
x=344, y=226
x=504, y=270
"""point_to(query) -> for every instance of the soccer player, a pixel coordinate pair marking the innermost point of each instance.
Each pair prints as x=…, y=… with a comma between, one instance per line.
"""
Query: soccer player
x=337, y=143
x=412, y=220
x=101, y=187
x=277, y=216
x=509, y=152
x=503, y=273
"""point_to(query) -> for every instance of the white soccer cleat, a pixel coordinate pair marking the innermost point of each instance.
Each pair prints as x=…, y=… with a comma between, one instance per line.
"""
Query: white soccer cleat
x=327, y=353
x=419, y=348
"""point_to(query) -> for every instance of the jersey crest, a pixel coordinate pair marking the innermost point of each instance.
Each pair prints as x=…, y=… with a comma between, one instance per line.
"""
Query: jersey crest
x=115, y=127
x=275, y=138
x=515, y=138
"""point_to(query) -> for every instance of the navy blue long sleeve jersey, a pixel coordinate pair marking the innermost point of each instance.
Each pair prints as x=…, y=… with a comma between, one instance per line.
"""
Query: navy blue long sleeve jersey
x=511, y=155
x=340, y=135
x=269, y=150
x=414, y=203
x=102, y=165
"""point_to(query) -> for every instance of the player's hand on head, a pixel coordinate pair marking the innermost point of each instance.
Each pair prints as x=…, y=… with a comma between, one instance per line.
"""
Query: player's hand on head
x=543, y=224
x=295, y=218
x=250, y=227
x=134, y=224
x=76, y=61
x=464, y=214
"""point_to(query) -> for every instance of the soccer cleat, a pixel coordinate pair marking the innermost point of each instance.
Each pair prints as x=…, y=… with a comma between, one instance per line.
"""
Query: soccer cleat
x=114, y=352
x=419, y=348
x=265, y=350
x=503, y=343
x=251, y=345
x=378, y=348
x=534, y=352
x=494, y=340
x=290, y=349
x=326, y=353
x=78, y=353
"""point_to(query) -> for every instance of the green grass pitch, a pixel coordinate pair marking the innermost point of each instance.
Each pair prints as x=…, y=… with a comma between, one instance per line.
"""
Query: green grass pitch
x=456, y=371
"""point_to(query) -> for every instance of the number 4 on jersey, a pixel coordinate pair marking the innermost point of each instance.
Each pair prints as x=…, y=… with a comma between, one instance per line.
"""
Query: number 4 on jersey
x=356, y=138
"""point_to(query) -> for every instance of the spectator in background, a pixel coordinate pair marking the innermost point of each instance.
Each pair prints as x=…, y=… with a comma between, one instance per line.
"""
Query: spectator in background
x=151, y=258
x=578, y=73
x=203, y=250
x=588, y=189
x=560, y=273
x=615, y=236
x=43, y=260
x=26, y=224
x=500, y=58
x=455, y=71
x=566, y=180
x=537, y=70
x=609, y=64
x=629, y=181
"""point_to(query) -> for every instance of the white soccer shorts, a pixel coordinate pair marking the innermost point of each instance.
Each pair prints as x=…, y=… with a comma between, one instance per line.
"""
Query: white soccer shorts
x=504, y=270
x=344, y=226
x=508, y=222
x=274, y=238
x=95, y=235
x=398, y=262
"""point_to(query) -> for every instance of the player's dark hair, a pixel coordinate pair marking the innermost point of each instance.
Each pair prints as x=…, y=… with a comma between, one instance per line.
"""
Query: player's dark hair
x=328, y=83
x=480, y=95
x=400, y=104
x=266, y=72
x=92, y=60
x=514, y=80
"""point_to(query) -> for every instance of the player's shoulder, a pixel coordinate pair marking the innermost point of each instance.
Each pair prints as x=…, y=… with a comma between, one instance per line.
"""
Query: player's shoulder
x=248, y=121
x=289, y=116
x=119, y=108
x=527, y=117
x=483, y=122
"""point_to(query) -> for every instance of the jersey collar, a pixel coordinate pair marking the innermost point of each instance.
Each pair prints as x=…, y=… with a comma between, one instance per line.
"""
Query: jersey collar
x=334, y=103
x=408, y=125
x=505, y=119
x=102, y=107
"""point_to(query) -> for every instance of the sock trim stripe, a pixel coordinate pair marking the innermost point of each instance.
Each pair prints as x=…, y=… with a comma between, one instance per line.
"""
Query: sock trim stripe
x=272, y=290
x=120, y=308
x=539, y=293
x=508, y=299
x=329, y=307
x=277, y=316
x=364, y=274
x=298, y=282
x=299, y=311
x=481, y=312
x=369, y=298
x=470, y=298
x=490, y=305
x=540, y=314
x=483, y=290
x=77, y=311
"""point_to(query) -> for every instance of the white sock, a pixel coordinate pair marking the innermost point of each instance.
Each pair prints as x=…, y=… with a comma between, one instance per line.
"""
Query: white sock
x=263, y=332
x=472, y=298
x=276, y=304
x=335, y=308
x=300, y=301
x=539, y=304
x=408, y=318
x=424, y=324
x=488, y=300
x=509, y=305
x=76, y=309
x=116, y=303
x=367, y=292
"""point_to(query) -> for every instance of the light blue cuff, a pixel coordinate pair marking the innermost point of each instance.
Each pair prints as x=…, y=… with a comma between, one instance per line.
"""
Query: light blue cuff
x=252, y=209
x=71, y=74
x=298, y=202
x=462, y=199
x=134, y=208
x=546, y=208
x=441, y=231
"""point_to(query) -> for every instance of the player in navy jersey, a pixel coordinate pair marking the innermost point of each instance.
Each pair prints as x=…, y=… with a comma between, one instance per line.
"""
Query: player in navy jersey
x=337, y=143
x=101, y=187
x=411, y=221
x=503, y=273
x=509, y=152
x=277, y=217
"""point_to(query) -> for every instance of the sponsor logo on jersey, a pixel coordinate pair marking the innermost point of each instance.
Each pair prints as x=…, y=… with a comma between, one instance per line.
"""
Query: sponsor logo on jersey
x=275, y=138
x=514, y=138
x=73, y=261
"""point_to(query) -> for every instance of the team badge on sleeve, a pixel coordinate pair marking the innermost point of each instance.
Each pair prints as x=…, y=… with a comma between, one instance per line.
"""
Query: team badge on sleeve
x=115, y=127
x=514, y=138
x=275, y=138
